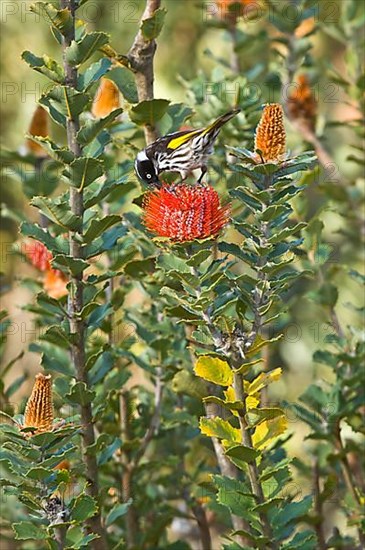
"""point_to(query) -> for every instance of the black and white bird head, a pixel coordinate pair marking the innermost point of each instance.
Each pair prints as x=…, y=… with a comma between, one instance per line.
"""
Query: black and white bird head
x=146, y=170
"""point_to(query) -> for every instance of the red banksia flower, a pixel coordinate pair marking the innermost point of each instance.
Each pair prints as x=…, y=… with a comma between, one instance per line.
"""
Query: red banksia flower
x=38, y=255
x=185, y=213
x=106, y=99
x=270, y=133
x=54, y=281
x=38, y=127
x=39, y=409
x=302, y=104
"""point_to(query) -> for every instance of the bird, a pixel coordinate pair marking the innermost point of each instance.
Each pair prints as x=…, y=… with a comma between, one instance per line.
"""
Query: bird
x=180, y=152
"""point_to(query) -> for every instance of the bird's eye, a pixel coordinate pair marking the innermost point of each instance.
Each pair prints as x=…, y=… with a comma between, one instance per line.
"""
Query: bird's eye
x=149, y=176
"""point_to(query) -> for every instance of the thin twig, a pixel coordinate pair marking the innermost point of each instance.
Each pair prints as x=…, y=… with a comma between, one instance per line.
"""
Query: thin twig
x=347, y=476
x=141, y=56
x=76, y=300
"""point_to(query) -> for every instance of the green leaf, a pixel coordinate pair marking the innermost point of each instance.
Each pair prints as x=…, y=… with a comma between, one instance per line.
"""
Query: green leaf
x=60, y=19
x=233, y=494
x=97, y=227
x=91, y=128
x=214, y=370
x=256, y=416
x=80, y=394
x=58, y=212
x=68, y=263
x=54, y=244
x=44, y=65
x=83, y=507
x=60, y=154
x=118, y=511
x=124, y=79
x=93, y=73
x=149, y=111
x=28, y=531
x=246, y=454
x=152, y=26
x=63, y=102
x=81, y=51
x=217, y=427
x=184, y=382
x=84, y=171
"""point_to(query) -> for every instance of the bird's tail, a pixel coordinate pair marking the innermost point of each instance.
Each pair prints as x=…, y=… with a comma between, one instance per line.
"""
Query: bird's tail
x=217, y=124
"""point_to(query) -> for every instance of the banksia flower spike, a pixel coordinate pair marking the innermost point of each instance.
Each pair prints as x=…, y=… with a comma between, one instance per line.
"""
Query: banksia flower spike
x=270, y=134
x=106, y=99
x=39, y=409
x=185, y=212
x=38, y=127
x=302, y=105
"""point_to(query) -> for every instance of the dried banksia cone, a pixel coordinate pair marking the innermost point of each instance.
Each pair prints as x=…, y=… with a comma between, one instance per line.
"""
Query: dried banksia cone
x=302, y=104
x=184, y=213
x=39, y=409
x=106, y=99
x=270, y=133
x=38, y=127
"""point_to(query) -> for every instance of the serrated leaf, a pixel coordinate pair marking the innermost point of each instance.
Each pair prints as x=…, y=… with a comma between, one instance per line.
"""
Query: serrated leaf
x=91, y=128
x=97, y=227
x=28, y=531
x=57, y=212
x=83, y=507
x=149, y=111
x=44, y=65
x=152, y=26
x=257, y=415
x=60, y=19
x=60, y=154
x=214, y=370
x=267, y=431
x=263, y=380
x=246, y=454
x=84, y=171
x=217, y=427
x=93, y=73
x=80, y=51
x=55, y=245
x=63, y=102
x=80, y=394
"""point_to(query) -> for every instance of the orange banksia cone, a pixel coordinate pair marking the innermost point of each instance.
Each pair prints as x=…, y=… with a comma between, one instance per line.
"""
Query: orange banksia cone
x=39, y=409
x=270, y=135
x=106, y=99
x=185, y=213
x=302, y=104
x=38, y=127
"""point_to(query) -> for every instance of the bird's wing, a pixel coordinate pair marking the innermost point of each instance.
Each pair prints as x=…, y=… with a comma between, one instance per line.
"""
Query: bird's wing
x=178, y=139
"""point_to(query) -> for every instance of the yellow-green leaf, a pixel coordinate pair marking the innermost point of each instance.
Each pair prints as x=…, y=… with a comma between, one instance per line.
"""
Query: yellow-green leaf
x=266, y=432
x=214, y=370
x=263, y=380
x=222, y=429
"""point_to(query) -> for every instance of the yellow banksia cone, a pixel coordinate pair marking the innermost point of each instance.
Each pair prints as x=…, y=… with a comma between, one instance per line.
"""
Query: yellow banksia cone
x=270, y=133
x=38, y=127
x=106, y=99
x=39, y=409
x=302, y=104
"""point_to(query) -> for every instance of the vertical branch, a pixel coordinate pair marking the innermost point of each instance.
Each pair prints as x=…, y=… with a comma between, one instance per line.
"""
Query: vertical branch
x=76, y=301
x=251, y=467
x=127, y=476
x=141, y=56
x=318, y=508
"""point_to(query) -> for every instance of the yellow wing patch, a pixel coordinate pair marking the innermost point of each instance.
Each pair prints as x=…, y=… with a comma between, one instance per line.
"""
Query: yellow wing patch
x=177, y=142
